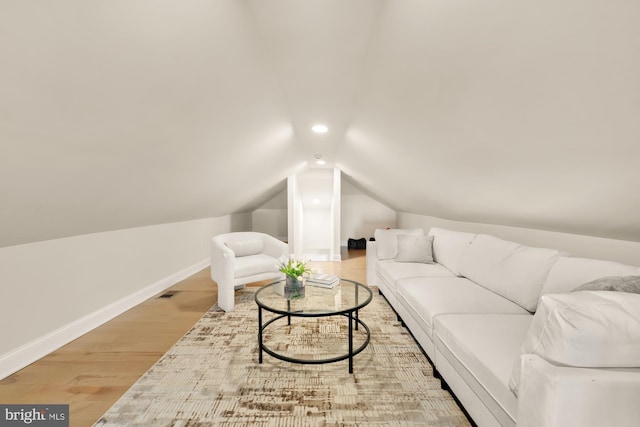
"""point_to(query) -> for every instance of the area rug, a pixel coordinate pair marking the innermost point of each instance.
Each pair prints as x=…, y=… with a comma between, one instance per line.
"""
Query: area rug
x=211, y=376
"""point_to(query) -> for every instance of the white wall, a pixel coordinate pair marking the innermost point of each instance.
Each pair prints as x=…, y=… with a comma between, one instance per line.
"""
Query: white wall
x=271, y=217
x=623, y=251
x=317, y=230
x=361, y=214
x=56, y=290
x=318, y=193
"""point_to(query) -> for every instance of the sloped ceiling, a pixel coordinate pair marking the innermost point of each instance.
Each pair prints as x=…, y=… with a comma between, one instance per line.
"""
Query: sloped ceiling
x=128, y=113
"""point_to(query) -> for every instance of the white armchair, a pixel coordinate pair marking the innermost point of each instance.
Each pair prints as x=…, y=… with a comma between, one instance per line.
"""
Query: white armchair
x=241, y=258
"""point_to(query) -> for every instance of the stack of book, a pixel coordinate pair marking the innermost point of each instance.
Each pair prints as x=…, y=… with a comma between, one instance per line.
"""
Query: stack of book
x=324, y=280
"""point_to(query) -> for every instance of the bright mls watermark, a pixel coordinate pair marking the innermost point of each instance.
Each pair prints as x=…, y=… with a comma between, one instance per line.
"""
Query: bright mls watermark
x=34, y=415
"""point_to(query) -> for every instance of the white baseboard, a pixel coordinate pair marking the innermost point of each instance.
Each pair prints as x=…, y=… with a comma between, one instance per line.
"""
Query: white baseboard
x=26, y=354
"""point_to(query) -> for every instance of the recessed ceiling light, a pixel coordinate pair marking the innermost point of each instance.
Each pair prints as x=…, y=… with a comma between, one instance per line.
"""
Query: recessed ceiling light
x=316, y=201
x=320, y=128
x=320, y=162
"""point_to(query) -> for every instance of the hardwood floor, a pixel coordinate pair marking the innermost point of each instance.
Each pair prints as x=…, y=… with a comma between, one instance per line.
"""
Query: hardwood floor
x=93, y=371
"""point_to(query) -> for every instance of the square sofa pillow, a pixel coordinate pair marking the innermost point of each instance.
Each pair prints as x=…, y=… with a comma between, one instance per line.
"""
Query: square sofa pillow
x=415, y=249
x=387, y=242
x=589, y=329
x=630, y=284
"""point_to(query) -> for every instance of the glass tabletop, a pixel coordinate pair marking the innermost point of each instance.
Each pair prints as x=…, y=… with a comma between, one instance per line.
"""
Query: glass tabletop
x=317, y=301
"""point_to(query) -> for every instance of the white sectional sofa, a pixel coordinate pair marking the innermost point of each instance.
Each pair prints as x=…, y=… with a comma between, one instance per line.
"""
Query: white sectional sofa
x=507, y=332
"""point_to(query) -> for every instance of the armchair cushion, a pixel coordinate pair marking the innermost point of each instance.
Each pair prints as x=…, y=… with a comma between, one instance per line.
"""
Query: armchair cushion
x=246, y=247
x=256, y=264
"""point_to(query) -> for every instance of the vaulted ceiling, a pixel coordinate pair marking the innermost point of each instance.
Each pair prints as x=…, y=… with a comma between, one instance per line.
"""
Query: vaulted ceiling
x=122, y=113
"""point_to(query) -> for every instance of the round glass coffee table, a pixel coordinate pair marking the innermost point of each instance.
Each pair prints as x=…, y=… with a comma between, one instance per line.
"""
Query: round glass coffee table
x=345, y=299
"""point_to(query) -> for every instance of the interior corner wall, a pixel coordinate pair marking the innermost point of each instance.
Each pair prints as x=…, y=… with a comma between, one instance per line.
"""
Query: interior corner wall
x=271, y=217
x=623, y=251
x=361, y=215
x=271, y=221
x=295, y=214
x=56, y=290
x=241, y=222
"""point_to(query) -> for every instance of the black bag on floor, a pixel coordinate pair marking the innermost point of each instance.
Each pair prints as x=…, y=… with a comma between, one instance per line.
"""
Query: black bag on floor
x=357, y=243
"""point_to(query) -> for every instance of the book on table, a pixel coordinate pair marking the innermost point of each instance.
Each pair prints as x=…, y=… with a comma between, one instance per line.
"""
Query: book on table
x=324, y=280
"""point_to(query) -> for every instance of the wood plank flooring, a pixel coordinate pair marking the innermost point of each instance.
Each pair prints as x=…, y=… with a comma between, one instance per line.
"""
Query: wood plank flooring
x=93, y=371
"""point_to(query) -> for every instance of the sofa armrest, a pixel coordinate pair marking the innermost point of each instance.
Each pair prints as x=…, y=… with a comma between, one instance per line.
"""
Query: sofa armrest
x=561, y=396
x=371, y=260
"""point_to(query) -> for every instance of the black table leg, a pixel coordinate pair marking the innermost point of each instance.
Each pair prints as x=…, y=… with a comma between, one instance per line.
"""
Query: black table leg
x=356, y=308
x=259, y=334
x=351, y=342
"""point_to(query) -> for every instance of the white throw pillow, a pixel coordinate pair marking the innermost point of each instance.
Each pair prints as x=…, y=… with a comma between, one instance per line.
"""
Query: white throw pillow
x=387, y=241
x=246, y=247
x=515, y=271
x=569, y=273
x=448, y=246
x=415, y=249
x=589, y=329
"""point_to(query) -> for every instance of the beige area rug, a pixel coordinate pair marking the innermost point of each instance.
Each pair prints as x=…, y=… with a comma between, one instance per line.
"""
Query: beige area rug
x=211, y=376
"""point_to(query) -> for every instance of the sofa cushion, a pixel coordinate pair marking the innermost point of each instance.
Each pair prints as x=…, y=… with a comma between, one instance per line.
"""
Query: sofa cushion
x=415, y=249
x=390, y=271
x=394, y=271
x=387, y=241
x=429, y=297
x=568, y=273
x=486, y=346
x=254, y=264
x=630, y=284
x=590, y=329
x=510, y=269
x=246, y=247
x=448, y=246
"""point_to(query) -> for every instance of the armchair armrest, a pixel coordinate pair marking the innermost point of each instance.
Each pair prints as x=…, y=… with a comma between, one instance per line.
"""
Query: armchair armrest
x=275, y=247
x=561, y=396
x=222, y=259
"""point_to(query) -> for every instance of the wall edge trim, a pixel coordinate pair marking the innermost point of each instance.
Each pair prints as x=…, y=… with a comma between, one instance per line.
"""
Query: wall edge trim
x=36, y=349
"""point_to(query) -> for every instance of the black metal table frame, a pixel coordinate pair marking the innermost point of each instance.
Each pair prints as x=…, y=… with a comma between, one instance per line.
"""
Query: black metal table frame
x=349, y=313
